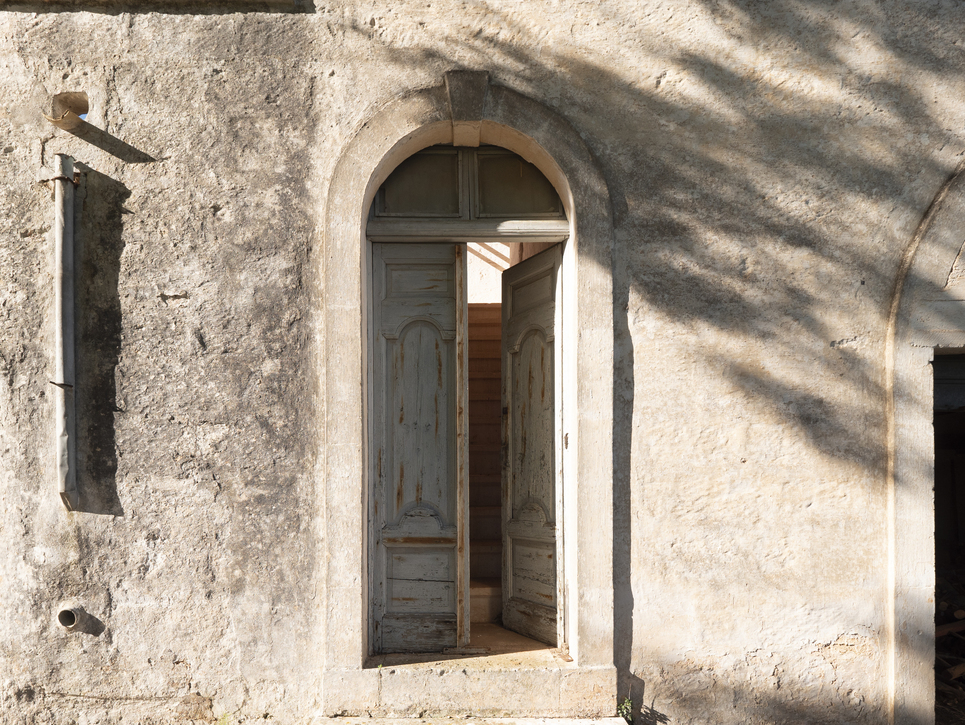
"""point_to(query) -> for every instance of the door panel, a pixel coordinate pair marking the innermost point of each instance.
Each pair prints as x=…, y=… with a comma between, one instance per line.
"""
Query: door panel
x=532, y=416
x=415, y=502
x=530, y=468
x=418, y=440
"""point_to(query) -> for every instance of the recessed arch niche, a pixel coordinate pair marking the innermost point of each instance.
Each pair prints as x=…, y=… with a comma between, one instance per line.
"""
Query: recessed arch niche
x=466, y=110
x=926, y=318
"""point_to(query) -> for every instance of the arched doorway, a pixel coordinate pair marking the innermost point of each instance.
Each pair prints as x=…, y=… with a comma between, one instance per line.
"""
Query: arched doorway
x=455, y=538
x=466, y=112
x=927, y=320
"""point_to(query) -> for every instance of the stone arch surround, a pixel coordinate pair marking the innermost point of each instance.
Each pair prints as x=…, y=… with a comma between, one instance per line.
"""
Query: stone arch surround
x=927, y=314
x=466, y=110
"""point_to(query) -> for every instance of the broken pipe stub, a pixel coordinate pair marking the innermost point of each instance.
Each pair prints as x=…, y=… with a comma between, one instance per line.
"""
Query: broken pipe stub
x=74, y=618
x=67, y=109
x=71, y=619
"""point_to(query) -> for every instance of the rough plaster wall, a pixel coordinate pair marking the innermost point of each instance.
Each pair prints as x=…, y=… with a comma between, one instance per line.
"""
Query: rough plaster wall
x=767, y=164
x=195, y=548
x=790, y=166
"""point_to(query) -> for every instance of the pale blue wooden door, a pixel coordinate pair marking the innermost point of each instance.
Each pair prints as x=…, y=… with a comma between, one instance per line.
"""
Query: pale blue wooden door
x=414, y=509
x=530, y=447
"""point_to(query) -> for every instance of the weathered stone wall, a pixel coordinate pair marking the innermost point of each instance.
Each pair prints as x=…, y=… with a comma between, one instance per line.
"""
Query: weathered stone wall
x=768, y=165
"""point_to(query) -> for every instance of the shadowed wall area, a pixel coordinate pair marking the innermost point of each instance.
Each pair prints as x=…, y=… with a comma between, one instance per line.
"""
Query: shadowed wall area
x=99, y=251
x=768, y=165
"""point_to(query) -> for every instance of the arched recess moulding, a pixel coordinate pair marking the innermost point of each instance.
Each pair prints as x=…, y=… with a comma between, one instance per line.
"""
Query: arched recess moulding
x=466, y=110
x=927, y=318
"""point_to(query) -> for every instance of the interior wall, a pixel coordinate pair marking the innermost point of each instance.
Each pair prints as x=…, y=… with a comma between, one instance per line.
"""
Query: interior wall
x=486, y=263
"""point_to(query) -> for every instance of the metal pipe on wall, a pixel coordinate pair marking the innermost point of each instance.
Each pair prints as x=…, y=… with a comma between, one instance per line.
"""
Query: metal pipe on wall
x=65, y=463
x=69, y=618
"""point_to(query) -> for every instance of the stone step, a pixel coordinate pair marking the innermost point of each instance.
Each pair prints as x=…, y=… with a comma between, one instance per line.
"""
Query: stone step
x=486, y=558
x=485, y=522
x=537, y=683
x=485, y=599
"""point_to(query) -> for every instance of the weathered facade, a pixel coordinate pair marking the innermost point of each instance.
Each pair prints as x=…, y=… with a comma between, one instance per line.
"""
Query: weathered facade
x=764, y=221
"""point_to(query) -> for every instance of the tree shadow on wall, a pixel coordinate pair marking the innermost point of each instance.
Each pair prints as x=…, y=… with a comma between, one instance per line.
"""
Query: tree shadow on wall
x=99, y=211
x=736, y=185
x=738, y=188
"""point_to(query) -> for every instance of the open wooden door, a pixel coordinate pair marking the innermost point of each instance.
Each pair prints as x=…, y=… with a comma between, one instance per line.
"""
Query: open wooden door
x=418, y=553
x=530, y=465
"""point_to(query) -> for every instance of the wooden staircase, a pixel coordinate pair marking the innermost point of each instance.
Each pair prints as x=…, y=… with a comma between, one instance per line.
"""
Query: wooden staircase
x=485, y=511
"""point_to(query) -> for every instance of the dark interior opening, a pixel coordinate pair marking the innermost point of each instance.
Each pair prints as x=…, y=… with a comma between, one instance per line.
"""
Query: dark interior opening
x=949, y=430
x=485, y=484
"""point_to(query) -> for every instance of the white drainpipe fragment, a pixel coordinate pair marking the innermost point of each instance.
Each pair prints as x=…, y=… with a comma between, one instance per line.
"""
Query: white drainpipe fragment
x=64, y=330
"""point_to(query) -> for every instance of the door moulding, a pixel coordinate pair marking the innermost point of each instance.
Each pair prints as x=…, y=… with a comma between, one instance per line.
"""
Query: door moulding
x=453, y=112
